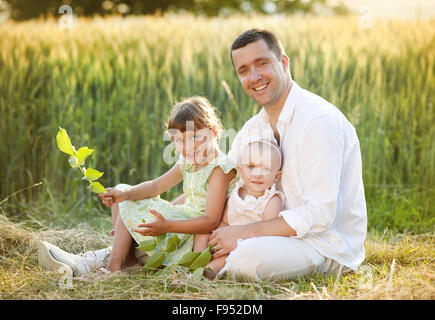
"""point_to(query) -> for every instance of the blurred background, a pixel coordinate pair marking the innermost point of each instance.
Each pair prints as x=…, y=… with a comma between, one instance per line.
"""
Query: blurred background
x=404, y=9
x=109, y=71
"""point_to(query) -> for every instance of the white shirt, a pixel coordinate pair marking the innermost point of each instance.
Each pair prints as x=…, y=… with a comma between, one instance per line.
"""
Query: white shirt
x=321, y=174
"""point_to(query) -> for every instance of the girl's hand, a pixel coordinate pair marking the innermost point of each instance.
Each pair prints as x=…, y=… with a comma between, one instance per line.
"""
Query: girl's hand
x=112, y=196
x=155, y=228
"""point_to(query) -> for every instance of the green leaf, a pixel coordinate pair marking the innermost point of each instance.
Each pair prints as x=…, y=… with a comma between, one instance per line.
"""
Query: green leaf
x=165, y=272
x=188, y=259
x=73, y=162
x=82, y=154
x=64, y=142
x=92, y=174
x=147, y=245
x=202, y=260
x=161, y=237
x=197, y=274
x=173, y=243
x=155, y=260
x=97, y=187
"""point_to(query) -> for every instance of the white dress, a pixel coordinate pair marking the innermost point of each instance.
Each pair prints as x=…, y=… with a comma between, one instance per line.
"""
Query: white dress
x=250, y=209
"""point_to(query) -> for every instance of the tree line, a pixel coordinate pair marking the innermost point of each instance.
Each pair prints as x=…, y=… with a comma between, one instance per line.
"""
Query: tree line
x=28, y=9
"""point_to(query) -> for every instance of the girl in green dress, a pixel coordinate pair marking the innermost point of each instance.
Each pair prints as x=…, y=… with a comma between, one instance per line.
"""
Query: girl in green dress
x=208, y=177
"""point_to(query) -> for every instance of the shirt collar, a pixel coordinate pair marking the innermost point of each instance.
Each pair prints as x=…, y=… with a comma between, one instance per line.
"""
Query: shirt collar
x=289, y=106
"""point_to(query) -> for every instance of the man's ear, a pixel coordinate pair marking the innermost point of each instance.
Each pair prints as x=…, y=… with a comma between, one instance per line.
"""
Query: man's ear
x=285, y=62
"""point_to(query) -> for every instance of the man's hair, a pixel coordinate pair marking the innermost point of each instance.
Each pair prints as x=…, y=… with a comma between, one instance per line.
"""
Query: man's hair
x=253, y=35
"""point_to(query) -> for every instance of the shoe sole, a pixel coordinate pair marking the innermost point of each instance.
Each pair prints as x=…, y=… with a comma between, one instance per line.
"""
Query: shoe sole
x=46, y=260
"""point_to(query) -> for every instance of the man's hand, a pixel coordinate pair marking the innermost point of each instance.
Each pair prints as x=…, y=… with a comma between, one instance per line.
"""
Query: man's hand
x=224, y=240
x=155, y=228
x=112, y=196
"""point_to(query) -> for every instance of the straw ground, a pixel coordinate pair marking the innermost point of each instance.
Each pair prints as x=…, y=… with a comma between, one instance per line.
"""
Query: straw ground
x=401, y=267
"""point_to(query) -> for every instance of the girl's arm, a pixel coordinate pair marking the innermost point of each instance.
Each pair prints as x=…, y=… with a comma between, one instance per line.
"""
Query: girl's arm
x=201, y=240
x=215, y=204
x=149, y=189
x=224, y=221
x=273, y=208
x=217, y=191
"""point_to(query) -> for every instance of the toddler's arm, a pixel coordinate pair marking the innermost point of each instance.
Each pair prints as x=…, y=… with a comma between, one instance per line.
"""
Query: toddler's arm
x=273, y=208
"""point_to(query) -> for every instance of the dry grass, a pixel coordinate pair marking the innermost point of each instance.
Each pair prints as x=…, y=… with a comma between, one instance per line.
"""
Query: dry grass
x=400, y=268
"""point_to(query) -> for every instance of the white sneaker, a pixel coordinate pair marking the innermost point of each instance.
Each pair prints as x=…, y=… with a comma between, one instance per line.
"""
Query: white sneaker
x=52, y=257
x=48, y=260
x=91, y=260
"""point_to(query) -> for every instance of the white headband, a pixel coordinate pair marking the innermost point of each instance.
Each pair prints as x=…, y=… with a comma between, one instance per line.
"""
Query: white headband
x=251, y=140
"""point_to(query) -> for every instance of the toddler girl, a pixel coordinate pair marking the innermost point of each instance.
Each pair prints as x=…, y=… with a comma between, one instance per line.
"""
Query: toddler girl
x=254, y=197
x=208, y=178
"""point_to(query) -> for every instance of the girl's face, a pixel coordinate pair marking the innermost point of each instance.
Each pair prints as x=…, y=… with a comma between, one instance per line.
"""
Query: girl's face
x=195, y=145
x=259, y=168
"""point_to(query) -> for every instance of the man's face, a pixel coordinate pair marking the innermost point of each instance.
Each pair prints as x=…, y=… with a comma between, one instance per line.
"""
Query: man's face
x=261, y=73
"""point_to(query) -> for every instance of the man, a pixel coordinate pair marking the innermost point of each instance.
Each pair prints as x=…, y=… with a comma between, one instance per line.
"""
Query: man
x=323, y=227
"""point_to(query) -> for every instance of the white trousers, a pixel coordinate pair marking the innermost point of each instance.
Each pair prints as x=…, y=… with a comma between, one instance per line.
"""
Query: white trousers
x=272, y=257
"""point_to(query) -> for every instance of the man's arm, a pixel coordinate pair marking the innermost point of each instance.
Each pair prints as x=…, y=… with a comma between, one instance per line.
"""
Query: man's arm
x=224, y=240
x=272, y=227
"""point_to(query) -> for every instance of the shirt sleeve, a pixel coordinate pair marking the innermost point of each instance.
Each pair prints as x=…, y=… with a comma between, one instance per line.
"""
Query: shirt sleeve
x=233, y=154
x=319, y=157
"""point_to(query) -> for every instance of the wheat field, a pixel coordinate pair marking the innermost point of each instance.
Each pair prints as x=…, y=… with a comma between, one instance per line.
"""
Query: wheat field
x=111, y=82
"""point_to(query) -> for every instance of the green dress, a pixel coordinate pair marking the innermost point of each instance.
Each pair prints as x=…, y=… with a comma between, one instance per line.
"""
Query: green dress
x=195, y=186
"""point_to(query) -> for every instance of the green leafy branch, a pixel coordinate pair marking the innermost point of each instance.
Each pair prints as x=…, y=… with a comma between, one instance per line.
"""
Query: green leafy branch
x=194, y=262
x=77, y=160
